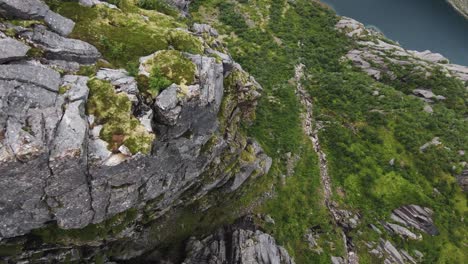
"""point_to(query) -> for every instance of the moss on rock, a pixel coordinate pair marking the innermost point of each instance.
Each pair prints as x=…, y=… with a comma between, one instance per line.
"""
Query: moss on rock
x=174, y=66
x=113, y=111
x=183, y=40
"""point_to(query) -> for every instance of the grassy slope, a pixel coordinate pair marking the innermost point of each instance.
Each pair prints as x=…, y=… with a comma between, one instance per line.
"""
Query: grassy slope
x=269, y=38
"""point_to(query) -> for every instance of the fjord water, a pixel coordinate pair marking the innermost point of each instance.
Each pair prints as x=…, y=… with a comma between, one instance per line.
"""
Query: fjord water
x=416, y=24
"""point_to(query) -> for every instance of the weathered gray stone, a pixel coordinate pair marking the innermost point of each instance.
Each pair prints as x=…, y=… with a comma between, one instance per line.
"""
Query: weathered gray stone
x=240, y=243
x=39, y=76
x=58, y=23
x=182, y=5
x=69, y=67
x=394, y=255
x=11, y=49
x=121, y=80
x=252, y=165
x=77, y=87
x=57, y=47
x=29, y=113
x=24, y=9
x=402, y=231
x=166, y=105
x=417, y=217
x=338, y=260
x=204, y=28
x=434, y=142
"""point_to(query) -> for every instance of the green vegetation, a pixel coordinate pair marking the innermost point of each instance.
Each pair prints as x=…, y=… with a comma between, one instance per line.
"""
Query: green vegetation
x=124, y=37
x=180, y=40
x=113, y=111
x=174, y=66
x=372, y=141
x=362, y=133
x=52, y=234
x=158, y=5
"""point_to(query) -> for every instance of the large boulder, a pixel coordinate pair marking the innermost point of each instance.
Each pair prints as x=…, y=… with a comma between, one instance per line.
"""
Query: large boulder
x=23, y=9
x=12, y=49
x=58, y=23
x=57, y=47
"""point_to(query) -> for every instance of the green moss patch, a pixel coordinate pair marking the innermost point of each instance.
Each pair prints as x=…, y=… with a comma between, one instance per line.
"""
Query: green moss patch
x=182, y=40
x=113, y=111
x=125, y=36
x=174, y=66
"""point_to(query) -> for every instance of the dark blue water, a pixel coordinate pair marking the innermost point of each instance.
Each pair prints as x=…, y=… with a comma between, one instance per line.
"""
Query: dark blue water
x=416, y=24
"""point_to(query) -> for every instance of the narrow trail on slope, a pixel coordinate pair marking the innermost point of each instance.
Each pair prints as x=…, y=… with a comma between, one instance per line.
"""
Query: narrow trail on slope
x=311, y=129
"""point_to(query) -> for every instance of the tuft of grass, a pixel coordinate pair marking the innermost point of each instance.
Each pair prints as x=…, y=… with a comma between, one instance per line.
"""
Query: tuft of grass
x=173, y=65
x=113, y=111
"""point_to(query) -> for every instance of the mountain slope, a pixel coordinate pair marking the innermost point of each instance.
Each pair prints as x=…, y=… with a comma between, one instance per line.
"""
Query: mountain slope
x=351, y=153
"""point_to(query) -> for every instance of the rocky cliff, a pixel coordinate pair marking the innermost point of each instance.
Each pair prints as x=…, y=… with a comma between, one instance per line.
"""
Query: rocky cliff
x=147, y=131
x=80, y=151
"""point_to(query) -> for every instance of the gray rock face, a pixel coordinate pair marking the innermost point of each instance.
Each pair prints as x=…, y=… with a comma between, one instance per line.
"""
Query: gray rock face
x=182, y=5
x=240, y=243
x=390, y=254
x=36, y=9
x=402, y=231
x=122, y=81
x=29, y=113
x=38, y=76
x=417, y=217
x=57, y=172
x=58, y=23
x=74, y=188
x=23, y=9
x=57, y=47
x=11, y=49
x=204, y=29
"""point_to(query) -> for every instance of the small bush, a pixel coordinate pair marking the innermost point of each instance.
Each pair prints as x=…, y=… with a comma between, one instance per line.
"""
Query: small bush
x=158, y=5
x=184, y=41
x=157, y=82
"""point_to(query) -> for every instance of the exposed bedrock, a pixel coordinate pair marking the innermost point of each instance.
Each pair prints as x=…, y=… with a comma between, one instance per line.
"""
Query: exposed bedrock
x=37, y=10
x=239, y=243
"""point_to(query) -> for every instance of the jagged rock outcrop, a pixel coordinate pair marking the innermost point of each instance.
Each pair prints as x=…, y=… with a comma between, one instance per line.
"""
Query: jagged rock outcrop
x=390, y=254
x=401, y=231
x=36, y=9
x=417, y=217
x=59, y=172
x=240, y=243
x=376, y=55
x=461, y=6
x=57, y=47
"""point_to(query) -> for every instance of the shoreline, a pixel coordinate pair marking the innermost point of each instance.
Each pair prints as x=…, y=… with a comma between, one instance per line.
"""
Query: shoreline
x=458, y=6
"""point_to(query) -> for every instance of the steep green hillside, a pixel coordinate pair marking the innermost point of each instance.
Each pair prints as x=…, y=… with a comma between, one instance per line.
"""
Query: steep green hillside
x=363, y=132
x=319, y=118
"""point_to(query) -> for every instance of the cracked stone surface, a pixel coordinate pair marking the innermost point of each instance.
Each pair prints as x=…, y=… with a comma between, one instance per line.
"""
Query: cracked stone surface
x=11, y=49
x=239, y=243
x=57, y=47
